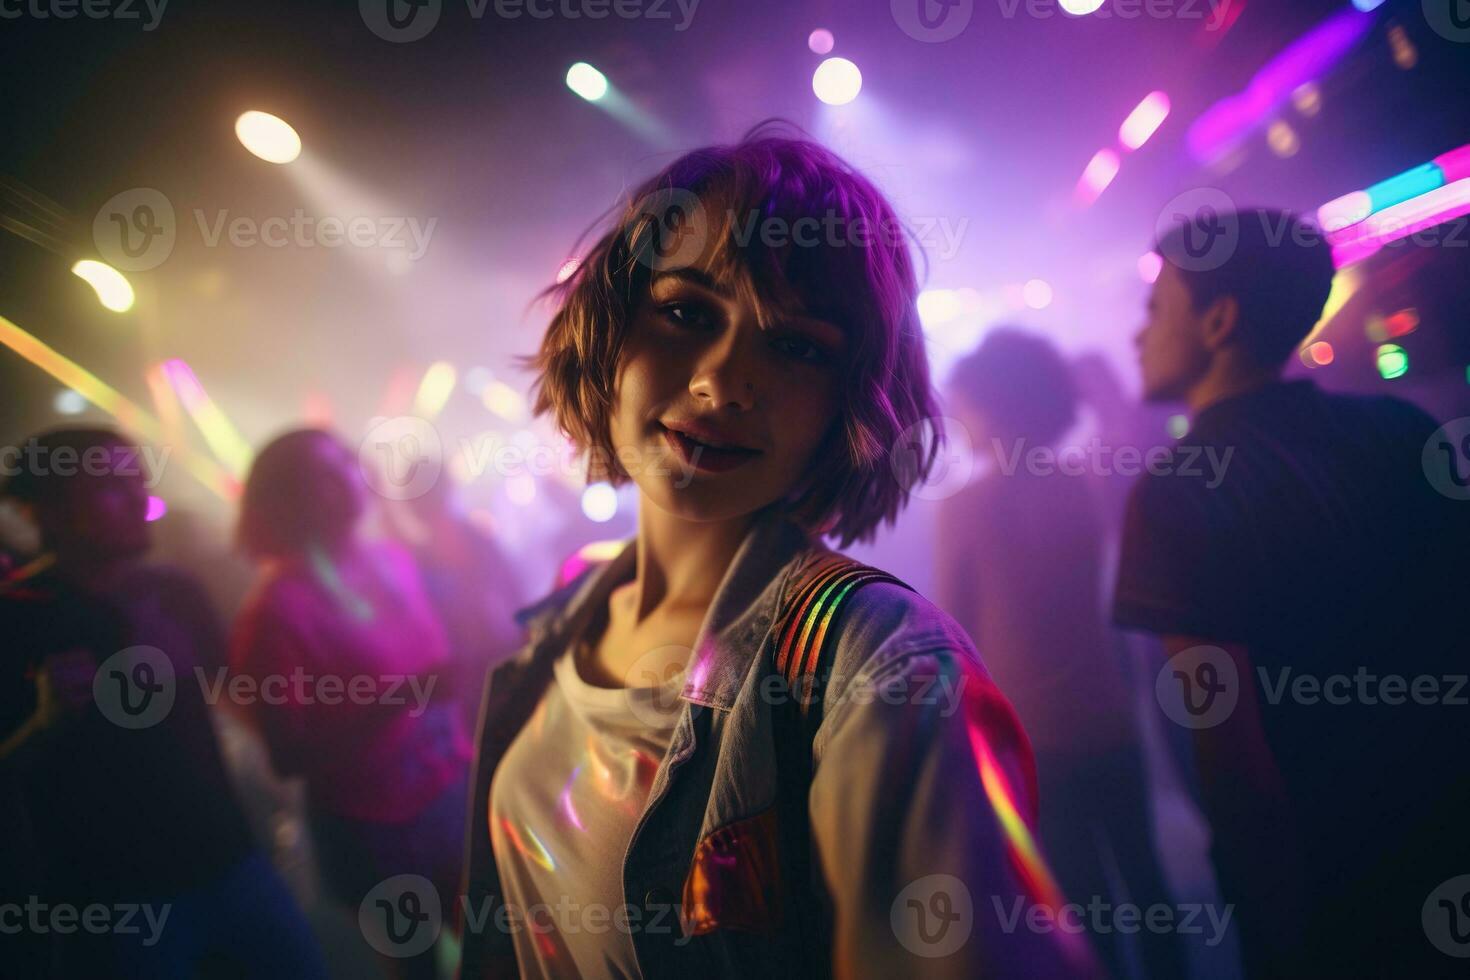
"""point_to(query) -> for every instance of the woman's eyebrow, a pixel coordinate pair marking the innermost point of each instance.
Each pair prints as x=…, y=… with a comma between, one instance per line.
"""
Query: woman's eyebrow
x=694, y=277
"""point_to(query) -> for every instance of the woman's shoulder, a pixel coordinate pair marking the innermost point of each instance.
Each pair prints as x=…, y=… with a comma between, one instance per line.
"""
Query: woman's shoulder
x=874, y=612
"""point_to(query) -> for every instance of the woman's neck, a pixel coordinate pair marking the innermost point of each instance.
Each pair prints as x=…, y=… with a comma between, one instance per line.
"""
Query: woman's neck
x=680, y=562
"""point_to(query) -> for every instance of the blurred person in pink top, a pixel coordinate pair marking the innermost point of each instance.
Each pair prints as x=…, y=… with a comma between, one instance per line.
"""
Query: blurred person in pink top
x=339, y=659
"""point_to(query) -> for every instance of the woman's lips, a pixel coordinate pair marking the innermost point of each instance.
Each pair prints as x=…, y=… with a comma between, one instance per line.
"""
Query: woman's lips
x=706, y=458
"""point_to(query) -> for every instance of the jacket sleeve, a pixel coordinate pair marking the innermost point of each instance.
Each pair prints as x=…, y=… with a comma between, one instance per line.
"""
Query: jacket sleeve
x=923, y=808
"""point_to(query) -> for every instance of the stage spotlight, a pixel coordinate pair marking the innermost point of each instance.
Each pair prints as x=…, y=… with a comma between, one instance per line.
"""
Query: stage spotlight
x=820, y=41
x=837, y=81
x=587, y=81
x=157, y=507
x=1081, y=8
x=112, y=287
x=268, y=137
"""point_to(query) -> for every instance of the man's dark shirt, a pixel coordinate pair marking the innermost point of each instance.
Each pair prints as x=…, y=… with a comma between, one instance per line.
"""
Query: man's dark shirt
x=119, y=814
x=1325, y=551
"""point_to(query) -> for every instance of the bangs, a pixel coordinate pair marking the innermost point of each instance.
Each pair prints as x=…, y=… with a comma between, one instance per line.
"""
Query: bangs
x=782, y=240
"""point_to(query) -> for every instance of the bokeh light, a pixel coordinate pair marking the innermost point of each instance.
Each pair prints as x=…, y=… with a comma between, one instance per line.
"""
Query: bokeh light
x=113, y=289
x=1149, y=267
x=1319, y=354
x=1037, y=293
x=600, y=502
x=69, y=401
x=1101, y=170
x=1283, y=139
x=1144, y=120
x=1392, y=361
x=820, y=41
x=837, y=81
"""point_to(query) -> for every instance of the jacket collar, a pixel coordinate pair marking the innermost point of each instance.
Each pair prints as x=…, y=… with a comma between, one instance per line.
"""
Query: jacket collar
x=734, y=627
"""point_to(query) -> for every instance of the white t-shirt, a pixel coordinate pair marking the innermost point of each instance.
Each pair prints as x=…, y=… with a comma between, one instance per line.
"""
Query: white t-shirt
x=564, y=802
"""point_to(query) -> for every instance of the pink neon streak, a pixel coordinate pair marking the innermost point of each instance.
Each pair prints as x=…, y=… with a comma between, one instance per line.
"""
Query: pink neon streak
x=185, y=384
x=1455, y=164
x=1340, y=214
x=1099, y=174
x=1144, y=121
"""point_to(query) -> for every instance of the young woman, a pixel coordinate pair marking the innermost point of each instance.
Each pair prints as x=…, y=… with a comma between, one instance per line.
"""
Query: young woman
x=351, y=669
x=728, y=752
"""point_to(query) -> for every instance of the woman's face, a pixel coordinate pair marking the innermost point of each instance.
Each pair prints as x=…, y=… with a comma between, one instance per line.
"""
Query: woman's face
x=713, y=417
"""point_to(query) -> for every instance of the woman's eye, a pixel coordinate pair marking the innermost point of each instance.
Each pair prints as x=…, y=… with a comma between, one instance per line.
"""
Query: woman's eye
x=801, y=349
x=684, y=314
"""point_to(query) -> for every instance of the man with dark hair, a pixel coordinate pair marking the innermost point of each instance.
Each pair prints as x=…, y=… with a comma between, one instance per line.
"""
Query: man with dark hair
x=1299, y=599
x=122, y=799
x=1020, y=562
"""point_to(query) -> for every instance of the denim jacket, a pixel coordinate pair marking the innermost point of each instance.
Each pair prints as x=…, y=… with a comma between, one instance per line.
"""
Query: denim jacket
x=921, y=805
